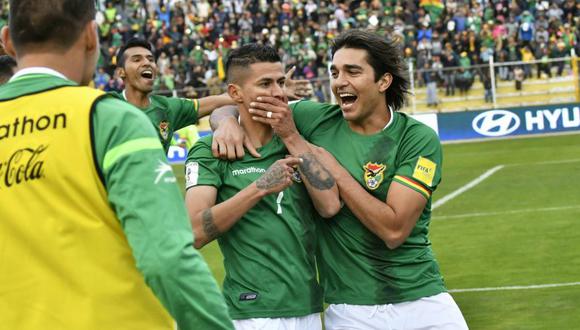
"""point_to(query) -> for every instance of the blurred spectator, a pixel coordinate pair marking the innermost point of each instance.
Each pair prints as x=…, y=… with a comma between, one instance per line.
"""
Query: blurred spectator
x=449, y=63
x=101, y=78
x=527, y=57
x=7, y=68
x=558, y=51
x=200, y=31
x=519, y=77
x=464, y=80
x=486, y=81
x=430, y=78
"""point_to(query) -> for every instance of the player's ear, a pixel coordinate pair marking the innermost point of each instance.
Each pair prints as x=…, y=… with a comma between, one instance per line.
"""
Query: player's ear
x=7, y=42
x=235, y=92
x=91, y=36
x=385, y=82
x=121, y=73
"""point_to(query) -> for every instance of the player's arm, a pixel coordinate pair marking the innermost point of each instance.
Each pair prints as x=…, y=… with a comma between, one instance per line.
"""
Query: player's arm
x=319, y=182
x=142, y=191
x=209, y=103
x=209, y=219
x=229, y=139
x=393, y=219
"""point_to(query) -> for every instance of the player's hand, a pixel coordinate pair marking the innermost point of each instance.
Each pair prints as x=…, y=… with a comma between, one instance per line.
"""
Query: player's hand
x=274, y=112
x=229, y=140
x=297, y=89
x=278, y=176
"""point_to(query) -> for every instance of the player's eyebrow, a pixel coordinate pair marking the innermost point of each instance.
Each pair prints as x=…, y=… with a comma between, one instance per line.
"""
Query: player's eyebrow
x=352, y=67
x=347, y=67
x=265, y=80
x=138, y=56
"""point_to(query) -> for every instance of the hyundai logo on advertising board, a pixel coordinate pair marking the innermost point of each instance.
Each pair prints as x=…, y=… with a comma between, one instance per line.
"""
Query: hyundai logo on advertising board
x=515, y=121
x=496, y=123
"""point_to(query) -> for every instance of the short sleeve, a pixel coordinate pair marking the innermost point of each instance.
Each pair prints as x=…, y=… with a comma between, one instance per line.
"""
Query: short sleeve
x=184, y=111
x=201, y=168
x=420, y=160
x=308, y=115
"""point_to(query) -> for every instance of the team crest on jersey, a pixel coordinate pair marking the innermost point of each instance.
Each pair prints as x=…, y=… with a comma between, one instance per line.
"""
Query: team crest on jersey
x=296, y=176
x=164, y=129
x=374, y=175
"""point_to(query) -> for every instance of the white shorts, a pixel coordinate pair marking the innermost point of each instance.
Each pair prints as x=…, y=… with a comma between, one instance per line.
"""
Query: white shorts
x=308, y=322
x=436, y=312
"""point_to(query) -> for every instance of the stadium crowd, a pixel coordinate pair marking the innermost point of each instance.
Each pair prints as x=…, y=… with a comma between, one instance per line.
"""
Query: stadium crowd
x=192, y=37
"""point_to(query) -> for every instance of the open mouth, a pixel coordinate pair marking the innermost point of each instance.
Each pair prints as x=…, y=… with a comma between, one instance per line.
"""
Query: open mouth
x=147, y=74
x=347, y=99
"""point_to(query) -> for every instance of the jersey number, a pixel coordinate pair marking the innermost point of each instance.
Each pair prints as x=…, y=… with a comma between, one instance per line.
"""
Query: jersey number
x=278, y=201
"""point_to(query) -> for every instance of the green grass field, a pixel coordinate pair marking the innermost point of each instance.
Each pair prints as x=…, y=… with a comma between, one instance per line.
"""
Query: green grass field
x=513, y=229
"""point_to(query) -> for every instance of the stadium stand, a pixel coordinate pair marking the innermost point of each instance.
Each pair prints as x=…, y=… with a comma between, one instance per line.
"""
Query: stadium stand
x=449, y=41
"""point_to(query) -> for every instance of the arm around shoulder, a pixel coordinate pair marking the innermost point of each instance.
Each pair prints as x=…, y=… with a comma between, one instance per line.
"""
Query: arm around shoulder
x=210, y=103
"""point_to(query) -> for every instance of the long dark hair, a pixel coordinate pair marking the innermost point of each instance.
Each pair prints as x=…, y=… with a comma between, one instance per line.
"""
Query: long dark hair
x=384, y=55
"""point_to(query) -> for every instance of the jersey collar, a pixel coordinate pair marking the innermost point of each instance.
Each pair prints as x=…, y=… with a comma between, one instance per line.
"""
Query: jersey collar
x=390, y=120
x=125, y=97
x=37, y=70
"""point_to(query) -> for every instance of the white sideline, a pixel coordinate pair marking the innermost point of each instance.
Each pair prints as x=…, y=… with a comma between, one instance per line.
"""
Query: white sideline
x=549, y=162
x=484, y=214
x=466, y=187
x=516, y=287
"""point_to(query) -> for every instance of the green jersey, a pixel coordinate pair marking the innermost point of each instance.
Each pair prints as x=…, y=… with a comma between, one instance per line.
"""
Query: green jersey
x=269, y=252
x=168, y=114
x=355, y=265
x=154, y=220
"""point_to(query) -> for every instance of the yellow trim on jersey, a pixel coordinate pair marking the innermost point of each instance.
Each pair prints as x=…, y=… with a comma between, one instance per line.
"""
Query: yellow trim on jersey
x=413, y=185
x=129, y=147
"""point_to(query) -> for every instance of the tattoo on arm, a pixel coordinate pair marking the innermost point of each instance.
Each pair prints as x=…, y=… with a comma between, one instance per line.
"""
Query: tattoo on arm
x=273, y=177
x=318, y=176
x=208, y=225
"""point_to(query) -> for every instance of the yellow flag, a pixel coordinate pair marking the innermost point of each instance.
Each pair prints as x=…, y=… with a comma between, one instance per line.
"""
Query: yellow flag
x=220, y=68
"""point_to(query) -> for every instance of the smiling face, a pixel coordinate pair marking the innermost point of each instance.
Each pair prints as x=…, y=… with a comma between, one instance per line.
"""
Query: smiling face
x=139, y=70
x=353, y=83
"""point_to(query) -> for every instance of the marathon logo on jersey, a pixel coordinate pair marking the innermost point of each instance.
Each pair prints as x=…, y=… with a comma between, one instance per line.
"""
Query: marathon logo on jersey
x=248, y=296
x=191, y=174
x=425, y=171
x=164, y=129
x=23, y=165
x=249, y=170
x=374, y=175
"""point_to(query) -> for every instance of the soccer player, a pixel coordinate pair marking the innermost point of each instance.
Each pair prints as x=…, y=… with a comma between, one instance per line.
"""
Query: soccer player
x=264, y=224
x=376, y=265
x=138, y=69
x=92, y=233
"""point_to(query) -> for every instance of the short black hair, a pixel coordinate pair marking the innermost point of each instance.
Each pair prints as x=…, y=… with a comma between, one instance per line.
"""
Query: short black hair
x=132, y=43
x=55, y=22
x=385, y=56
x=7, y=65
x=249, y=54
